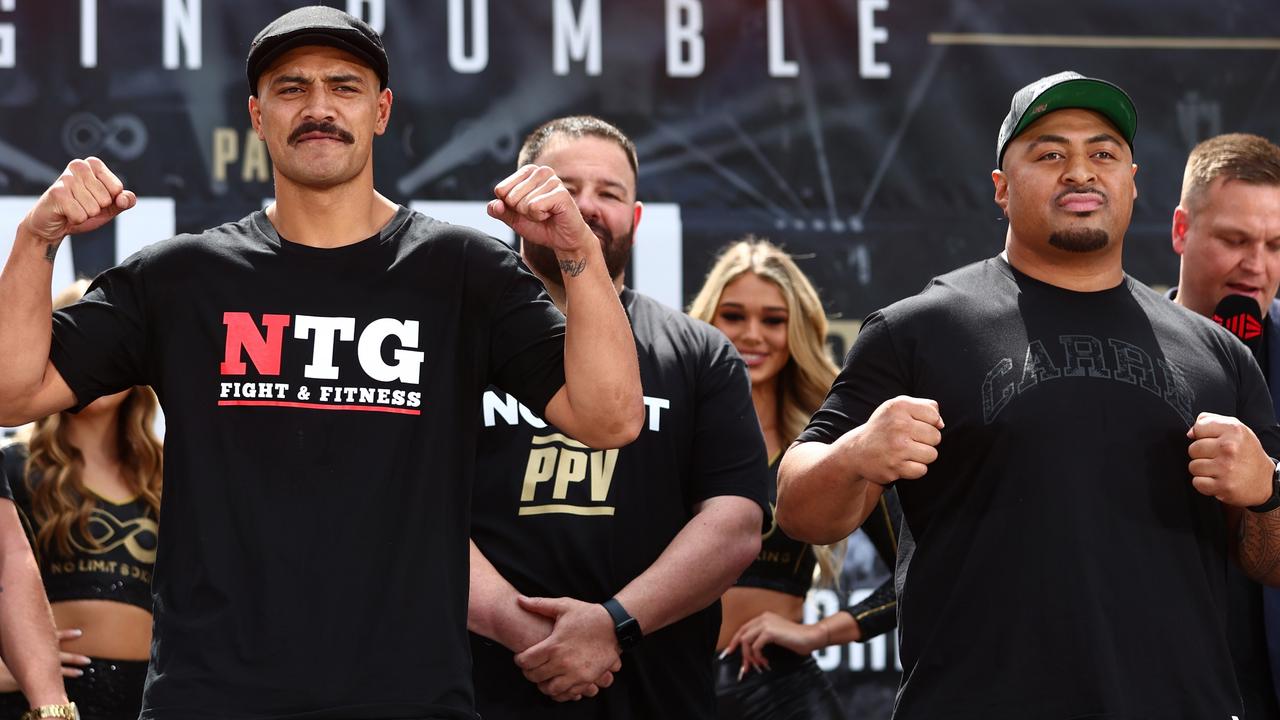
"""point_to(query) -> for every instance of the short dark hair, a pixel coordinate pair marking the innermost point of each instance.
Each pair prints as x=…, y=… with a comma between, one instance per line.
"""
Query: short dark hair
x=577, y=126
x=1234, y=156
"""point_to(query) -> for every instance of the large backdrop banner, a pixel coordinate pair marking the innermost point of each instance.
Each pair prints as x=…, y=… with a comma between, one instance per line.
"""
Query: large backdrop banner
x=858, y=133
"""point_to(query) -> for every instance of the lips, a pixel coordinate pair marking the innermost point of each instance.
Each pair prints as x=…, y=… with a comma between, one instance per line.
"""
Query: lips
x=319, y=136
x=1081, y=201
x=752, y=359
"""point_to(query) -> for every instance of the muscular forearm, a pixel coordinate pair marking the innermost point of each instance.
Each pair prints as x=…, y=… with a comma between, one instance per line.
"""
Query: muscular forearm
x=25, y=324
x=821, y=496
x=28, y=641
x=492, y=610
x=700, y=563
x=602, y=373
x=1259, y=548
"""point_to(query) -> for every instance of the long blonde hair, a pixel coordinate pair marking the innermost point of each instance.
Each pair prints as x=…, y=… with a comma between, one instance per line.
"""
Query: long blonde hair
x=804, y=381
x=60, y=500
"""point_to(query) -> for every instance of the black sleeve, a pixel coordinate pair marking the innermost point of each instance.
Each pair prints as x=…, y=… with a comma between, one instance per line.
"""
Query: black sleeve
x=526, y=346
x=877, y=614
x=5, y=491
x=872, y=374
x=100, y=343
x=1254, y=407
x=729, y=456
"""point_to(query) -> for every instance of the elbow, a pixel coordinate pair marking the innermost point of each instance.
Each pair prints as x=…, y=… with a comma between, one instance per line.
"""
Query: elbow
x=616, y=429
x=807, y=528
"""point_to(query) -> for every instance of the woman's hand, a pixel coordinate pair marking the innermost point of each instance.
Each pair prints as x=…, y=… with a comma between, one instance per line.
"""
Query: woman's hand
x=771, y=628
x=71, y=663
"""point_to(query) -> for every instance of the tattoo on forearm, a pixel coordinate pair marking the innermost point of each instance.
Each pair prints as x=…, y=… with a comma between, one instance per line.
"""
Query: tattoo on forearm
x=573, y=268
x=1260, y=543
x=51, y=251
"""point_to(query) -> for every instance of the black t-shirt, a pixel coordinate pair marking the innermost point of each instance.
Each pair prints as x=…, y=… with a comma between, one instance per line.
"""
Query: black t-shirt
x=5, y=491
x=320, y=444
x=1062, y=481
x=557, y=518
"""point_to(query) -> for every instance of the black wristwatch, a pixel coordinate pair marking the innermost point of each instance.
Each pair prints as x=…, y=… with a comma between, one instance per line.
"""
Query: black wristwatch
x=624, y=626
x=1274, y=501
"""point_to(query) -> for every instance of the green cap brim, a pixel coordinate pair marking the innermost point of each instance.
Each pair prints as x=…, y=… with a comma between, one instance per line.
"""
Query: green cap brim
x=1089, y=94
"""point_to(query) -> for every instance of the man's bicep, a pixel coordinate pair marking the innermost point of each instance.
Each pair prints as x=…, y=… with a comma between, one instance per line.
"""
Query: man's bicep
x=53, y=395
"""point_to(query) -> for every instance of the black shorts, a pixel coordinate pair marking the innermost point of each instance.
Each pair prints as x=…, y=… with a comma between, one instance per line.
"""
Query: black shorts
x=108, y=690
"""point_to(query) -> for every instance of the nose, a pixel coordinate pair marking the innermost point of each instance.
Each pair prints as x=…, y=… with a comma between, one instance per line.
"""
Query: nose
x=1252, y=260
x=751, y=331
x=587, y=206
x=319, y=106
x=1079, y=170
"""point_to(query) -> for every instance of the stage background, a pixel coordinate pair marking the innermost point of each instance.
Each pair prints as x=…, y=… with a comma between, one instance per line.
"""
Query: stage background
x=858, y=133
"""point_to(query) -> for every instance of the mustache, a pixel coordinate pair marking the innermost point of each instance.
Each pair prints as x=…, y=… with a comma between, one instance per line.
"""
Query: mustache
x=326, y=128
x=600, y=230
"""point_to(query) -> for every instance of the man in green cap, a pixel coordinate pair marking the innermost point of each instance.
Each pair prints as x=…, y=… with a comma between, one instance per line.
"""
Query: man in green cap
x=1077, y=455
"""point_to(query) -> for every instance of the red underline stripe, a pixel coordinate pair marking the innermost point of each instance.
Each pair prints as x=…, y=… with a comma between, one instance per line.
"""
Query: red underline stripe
x=318, y=406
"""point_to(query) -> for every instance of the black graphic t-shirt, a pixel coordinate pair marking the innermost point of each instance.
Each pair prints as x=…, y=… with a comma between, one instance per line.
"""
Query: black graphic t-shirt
x=1061, y=480
x=557, y=518
x=116, y=560
x=319, y=450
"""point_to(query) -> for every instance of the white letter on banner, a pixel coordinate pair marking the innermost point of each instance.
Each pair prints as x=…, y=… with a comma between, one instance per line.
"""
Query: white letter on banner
x=779, y=65
x=182, y=22
x=868, y=37
x=8, y=38
x=377, y=18
x=686, y=35
x=88, y=33
x=478, y=60
x=576, y=37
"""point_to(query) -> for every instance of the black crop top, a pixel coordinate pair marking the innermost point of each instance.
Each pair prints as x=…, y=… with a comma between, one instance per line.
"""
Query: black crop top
x=118, y=569
x=784, y=564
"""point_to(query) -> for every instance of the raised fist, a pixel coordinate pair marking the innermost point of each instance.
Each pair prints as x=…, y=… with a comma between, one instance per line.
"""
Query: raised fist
x=537, y=206
x=898, y=441
x=85, y=197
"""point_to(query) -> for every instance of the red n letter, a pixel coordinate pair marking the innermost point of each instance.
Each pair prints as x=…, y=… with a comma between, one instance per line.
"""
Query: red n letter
x=243, y=334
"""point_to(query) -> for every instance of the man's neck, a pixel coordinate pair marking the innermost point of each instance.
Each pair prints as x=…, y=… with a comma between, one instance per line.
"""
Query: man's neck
x=1079, y=272
x=329, y=217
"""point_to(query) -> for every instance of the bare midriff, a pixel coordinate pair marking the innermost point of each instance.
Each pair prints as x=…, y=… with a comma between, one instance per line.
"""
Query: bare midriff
x=740, y=604
x=112, y=630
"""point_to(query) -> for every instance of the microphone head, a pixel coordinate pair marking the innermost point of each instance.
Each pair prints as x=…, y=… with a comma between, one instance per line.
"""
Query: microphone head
x=1240, y=315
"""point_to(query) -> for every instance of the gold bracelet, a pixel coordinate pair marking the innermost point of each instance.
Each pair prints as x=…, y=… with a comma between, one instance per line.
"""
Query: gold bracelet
x=65, y=711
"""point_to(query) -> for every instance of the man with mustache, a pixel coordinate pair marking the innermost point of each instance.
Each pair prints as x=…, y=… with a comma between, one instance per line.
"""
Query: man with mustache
x=597, y=574
x=1226, y=230
x=1059, y=431
x=318, y=363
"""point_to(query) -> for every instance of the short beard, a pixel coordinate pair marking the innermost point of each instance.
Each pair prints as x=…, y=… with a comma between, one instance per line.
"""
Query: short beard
x=1083, y=240
x=617, y=253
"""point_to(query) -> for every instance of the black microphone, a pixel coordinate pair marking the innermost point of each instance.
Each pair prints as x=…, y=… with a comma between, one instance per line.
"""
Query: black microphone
x=1240, y=315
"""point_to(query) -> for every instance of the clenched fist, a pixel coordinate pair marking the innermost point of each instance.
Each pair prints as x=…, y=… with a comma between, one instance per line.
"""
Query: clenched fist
x=899, y=440
x=1228, y=462
x=85, y=197
x=537, y=206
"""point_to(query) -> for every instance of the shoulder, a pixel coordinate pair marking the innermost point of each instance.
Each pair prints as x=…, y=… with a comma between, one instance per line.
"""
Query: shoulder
x=952, y=293
x=423, y=231
x=227, y=239
x=659, y=325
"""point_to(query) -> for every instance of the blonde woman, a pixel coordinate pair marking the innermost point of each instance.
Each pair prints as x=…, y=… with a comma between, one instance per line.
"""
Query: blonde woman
x=87, y=487
x=757, y=297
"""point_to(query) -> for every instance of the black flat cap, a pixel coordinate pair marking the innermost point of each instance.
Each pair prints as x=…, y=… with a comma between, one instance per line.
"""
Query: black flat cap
x=316, y=25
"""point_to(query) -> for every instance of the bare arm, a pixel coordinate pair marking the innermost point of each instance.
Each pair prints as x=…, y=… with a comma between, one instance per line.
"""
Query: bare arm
x=1229, y=463
x=826, y=491
x=601, y=403
x=86, y=196
x=699, y=564
x=493, y=612
x=28, y=641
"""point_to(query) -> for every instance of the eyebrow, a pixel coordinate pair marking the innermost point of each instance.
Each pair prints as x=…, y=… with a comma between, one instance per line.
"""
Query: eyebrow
x=732, y=304
x=1100, y=137
x=303, y=80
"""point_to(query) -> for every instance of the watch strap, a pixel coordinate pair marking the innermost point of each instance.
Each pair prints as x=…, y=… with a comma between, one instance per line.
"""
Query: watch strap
x=1274, y=501
x=625, y=627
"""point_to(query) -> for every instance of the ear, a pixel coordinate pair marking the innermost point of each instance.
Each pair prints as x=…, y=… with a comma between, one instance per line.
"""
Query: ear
x=255, y=116
x=1133, y=173
x=635, y=218
x=384, y=111
x=1002, y=190
x=1181, y=221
